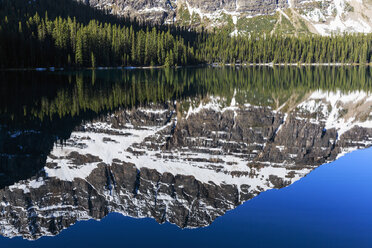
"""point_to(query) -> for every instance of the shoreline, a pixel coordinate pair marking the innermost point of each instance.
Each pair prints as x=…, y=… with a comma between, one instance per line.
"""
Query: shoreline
x=100, y=68
x=289, y=64
x=213, y=65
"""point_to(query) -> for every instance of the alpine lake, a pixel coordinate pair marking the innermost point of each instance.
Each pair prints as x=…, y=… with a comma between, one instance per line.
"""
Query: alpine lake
x=191, y=157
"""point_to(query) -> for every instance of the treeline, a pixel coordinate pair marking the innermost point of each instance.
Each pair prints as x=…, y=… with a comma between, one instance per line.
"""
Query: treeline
x=68, y=33
x=95, y=38
x=41, y=42
x=348, y=48
x=22, y=10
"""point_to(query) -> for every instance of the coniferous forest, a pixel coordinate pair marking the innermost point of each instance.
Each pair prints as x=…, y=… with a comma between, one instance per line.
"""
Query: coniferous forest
x=64, y=33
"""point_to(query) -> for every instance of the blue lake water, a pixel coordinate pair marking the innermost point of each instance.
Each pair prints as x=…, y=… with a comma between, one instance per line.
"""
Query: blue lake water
x=331, y=207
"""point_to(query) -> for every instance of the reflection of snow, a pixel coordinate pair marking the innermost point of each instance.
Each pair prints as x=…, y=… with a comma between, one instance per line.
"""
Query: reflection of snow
x=27, y=185
x=333, y=105
x=141, y=146
x=180, y=164
x=330, y=106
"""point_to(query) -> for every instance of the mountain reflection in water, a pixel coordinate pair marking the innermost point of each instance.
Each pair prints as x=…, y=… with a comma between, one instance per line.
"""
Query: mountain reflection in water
x=180, y=146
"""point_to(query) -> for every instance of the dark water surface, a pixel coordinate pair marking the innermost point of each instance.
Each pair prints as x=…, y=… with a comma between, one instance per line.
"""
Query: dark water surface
x=203, y=157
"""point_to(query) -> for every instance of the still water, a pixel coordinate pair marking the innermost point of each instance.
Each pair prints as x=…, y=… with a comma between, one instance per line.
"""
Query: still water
x=204, y=157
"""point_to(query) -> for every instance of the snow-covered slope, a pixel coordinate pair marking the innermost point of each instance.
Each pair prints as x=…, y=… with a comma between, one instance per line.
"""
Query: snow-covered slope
x=337, y=16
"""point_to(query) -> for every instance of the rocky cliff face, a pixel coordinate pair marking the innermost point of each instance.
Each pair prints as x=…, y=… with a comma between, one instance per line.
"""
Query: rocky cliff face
x=251, y=16
x=185, y=162
x=149, y=10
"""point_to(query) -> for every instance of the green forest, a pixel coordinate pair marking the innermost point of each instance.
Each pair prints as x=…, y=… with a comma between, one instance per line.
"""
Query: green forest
x=69, y=34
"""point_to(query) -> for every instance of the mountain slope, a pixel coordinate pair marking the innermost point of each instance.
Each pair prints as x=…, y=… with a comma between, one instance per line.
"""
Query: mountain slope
x=242, y=16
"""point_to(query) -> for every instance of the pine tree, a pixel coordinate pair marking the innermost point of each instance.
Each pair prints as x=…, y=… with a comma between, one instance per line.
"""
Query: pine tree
x=93, y=60
x=79, y=50
x=167, y=62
